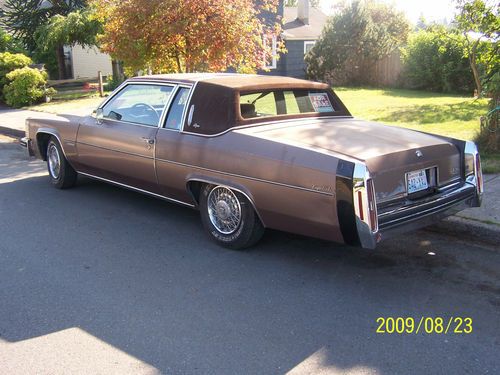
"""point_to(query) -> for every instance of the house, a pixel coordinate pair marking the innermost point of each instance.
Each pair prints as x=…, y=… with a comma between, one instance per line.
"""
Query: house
x=86, y=62
x=302, y=27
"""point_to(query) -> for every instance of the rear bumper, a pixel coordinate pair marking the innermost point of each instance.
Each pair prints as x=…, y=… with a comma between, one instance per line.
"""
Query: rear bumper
x=394, y=220
x=426, y=212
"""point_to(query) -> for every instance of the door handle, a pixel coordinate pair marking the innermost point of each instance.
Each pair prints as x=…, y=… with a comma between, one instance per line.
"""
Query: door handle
x=149, y=141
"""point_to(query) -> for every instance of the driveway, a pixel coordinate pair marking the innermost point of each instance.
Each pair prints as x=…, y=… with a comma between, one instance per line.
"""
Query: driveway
x=98, y=279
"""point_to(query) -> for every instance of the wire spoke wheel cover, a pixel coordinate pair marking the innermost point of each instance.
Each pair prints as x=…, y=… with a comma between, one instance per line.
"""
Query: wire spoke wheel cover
x=224, y=210
x=54, y=161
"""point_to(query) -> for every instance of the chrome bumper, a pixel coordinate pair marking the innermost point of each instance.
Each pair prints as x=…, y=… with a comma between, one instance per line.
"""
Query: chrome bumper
x=26, y=142
x=427, y=211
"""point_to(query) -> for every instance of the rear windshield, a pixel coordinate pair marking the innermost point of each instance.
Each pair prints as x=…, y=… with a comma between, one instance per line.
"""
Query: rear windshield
x=288, y=102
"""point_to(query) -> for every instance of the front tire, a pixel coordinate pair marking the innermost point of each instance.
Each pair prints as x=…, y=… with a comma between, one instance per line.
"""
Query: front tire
x=229, y=218
x=61, y=173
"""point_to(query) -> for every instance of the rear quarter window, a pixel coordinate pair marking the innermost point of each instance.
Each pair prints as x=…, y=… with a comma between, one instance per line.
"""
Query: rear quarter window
x=287, y=102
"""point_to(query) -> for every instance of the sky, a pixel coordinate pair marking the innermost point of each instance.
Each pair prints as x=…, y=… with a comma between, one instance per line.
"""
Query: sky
x=432, y=10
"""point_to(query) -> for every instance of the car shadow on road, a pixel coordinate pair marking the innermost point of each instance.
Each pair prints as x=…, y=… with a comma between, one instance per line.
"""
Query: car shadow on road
x=140, y=274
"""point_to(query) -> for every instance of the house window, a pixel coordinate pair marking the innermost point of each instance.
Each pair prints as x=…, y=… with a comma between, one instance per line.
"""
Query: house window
x=270, y=54
x=308, y=45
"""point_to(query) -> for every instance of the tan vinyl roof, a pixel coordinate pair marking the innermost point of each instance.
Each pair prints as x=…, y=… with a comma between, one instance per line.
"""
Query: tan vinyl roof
x=237, y=81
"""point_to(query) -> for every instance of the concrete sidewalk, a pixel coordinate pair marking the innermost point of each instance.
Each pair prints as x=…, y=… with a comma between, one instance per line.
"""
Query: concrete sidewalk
x=483, y=222
x=12, y=120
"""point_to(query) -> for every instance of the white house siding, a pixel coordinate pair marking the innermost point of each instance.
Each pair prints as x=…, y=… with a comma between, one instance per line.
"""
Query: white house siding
x=87, y=62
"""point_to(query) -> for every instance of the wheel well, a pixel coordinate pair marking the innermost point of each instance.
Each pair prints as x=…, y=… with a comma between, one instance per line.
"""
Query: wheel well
x=194, y=188
x=42, y=140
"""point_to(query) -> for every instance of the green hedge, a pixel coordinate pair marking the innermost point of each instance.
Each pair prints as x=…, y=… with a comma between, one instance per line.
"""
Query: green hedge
x=27, y=86
x=435, y=61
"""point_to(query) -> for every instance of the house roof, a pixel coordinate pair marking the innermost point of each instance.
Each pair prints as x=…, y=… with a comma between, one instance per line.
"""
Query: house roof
x=295, y=28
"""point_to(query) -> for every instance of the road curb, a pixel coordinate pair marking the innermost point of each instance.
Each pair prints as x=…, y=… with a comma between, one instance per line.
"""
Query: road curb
x=12, y=132
x=471, y=230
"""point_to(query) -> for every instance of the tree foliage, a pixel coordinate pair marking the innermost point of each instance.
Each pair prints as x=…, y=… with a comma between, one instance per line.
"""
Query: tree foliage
x=186, y=36
x=23, y=17
x=78, y=27
x=432, y=61
x=9, y=43
x=479, y=23
x=294, y=3
x=354, y=39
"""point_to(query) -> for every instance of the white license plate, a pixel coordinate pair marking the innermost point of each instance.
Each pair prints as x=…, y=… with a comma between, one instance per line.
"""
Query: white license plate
x=416, y=181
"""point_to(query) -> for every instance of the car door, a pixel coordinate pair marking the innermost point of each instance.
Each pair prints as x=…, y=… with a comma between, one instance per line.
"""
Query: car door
x=174, y=148
x=119, y=144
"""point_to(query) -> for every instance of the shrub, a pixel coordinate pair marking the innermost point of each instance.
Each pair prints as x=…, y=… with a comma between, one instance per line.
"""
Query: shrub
x=26, y=87
x=9, y=62
x=435, y=61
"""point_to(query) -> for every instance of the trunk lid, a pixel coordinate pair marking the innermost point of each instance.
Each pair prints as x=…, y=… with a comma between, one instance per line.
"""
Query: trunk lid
x=388, y=151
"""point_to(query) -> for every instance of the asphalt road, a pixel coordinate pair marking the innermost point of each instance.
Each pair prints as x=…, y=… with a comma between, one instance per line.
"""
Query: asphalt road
x=98, y=279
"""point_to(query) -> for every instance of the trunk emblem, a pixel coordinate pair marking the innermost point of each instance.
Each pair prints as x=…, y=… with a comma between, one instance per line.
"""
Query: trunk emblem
x=419, y=153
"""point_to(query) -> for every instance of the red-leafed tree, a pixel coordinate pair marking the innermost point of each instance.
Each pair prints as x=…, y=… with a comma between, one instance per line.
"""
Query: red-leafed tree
x=187, y=35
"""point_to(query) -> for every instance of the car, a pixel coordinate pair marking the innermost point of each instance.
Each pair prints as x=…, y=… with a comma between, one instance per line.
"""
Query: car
x=253, y=151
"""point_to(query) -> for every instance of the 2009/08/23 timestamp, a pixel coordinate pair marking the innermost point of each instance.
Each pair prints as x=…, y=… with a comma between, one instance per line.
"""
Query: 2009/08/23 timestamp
x=425, y=325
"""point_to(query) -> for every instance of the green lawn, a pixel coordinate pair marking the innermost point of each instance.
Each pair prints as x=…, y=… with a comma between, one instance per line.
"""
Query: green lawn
x=450, y=115
x=68, y=102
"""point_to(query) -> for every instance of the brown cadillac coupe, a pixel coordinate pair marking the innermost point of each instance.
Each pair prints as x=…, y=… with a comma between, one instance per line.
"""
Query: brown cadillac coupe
x=254, y=152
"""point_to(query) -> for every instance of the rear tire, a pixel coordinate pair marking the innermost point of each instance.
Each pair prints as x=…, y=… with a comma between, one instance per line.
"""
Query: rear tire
x=61, y=173
x=229, y=218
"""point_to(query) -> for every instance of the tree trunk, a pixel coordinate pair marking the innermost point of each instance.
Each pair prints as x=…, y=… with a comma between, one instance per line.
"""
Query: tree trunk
x=117, y=68
x=475, y=72
x=61, y=65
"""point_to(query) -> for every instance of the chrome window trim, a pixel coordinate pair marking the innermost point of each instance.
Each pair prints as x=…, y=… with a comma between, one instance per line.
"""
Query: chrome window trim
x=137, y=189
x=188, y=105
x=164, y=118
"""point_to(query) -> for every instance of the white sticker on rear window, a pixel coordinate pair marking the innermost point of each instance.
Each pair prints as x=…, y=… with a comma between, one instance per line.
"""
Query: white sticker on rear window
x=321, y=102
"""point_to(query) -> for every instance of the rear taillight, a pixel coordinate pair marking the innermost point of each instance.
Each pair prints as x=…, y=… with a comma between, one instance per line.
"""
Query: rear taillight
x=479, y=174
x=372, y=205
x=360, y=206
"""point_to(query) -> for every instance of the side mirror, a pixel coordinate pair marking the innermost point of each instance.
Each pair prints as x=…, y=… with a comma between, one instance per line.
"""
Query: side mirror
x=99, y=115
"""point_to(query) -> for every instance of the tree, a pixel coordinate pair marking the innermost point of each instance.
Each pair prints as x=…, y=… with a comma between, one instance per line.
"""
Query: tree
x=186, y=36
x=479, y=22
x=78, y=27
x=9, y=44
x=23, y=17
x=294, y=3
x=432, y=61
x=357, y=36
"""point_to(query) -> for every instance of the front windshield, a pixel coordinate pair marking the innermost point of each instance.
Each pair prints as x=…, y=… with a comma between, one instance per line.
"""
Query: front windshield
x=286, y=102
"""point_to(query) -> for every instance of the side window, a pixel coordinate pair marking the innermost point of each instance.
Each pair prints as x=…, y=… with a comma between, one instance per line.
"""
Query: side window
x=174, y=117
x=140, y=104
x=258, y=105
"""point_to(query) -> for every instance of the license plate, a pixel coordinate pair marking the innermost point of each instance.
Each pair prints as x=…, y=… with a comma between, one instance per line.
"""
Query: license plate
x=416, y=181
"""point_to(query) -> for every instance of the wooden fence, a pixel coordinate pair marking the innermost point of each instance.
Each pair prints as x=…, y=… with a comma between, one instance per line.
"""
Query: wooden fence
x=387, y=71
